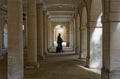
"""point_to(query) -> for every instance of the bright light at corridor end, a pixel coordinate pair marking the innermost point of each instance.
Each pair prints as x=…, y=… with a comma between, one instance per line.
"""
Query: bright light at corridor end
x=60, y=28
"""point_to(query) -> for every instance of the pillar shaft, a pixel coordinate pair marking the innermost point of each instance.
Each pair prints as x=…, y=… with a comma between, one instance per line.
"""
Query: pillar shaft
x=15, y=40
x=45, y=31
x=2, y=31
x=1, y=40
x=77, y=40
x=25, y=33
x=71, y=35
x=83, y=45
x=48, y=33
x=111, y=40
x=74, y=34
x=40, y=31
x=80, y=43
x=32, y=33
x=106, y=51
x=88, y=47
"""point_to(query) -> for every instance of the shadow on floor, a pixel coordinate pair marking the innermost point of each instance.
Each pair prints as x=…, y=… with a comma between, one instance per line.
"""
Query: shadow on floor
x=61, y=67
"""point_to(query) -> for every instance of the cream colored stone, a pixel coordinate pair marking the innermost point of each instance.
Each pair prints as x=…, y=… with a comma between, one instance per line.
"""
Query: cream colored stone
x=40, y=30
x=15, y=40
x=32, y=33
x=45, y=32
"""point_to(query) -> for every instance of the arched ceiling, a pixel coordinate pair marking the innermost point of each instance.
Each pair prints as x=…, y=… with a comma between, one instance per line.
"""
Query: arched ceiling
x=58, y=10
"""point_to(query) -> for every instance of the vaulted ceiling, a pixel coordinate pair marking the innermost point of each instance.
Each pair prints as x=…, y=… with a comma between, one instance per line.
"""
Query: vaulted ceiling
x=58, y=10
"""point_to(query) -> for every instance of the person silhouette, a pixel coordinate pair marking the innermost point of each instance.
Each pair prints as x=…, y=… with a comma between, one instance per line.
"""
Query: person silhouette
x=59, y=42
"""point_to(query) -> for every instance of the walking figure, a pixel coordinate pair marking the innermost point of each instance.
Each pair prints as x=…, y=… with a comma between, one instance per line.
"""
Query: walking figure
x=59, y=42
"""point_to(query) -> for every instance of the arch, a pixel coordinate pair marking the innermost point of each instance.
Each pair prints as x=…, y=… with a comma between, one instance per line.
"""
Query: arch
x=63, y=31
x=95, y=34
x=84, y=33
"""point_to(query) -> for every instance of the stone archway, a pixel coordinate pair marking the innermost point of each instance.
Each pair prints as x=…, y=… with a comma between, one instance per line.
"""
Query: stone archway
x=63, y=31
x=95, y=34
x=84, y=33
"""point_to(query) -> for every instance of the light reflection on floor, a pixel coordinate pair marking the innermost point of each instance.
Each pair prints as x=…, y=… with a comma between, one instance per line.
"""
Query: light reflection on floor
x=98, y=71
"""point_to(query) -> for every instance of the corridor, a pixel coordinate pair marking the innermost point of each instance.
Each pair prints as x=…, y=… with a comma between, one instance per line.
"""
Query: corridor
x=62, y=66
x=29, y=31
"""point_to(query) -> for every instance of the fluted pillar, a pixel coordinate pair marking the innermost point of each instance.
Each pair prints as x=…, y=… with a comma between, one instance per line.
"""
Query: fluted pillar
x=40, y=31
x=15, y=40
x=32, y=33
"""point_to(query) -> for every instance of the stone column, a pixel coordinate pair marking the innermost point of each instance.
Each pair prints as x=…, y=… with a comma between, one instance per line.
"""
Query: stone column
x=32, y=33
x=25, y=32
x=40, y=31
x=106, y=49
x=71, y=35
x=47, y=22
x=15, y=40
x=49, y=33
x=44, y=25
x=2, y=31
x=88, y=47
x=2, y=34
x=1, y=57
x=80, y=43
x=45, y=32
x=51, y=41
x=74, y=34
x=111, y=40
x=77, y=40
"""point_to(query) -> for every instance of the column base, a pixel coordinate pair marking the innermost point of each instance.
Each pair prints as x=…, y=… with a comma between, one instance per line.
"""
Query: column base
x=41, y=57
x=32, y=66
x=46, y=53
x=80, y=57
x=104, y=74
x=88, y=62
x=115, y=74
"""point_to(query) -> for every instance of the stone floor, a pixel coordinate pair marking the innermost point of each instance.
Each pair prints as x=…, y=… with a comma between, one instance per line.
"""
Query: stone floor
x=57, y=66
x=62, y=66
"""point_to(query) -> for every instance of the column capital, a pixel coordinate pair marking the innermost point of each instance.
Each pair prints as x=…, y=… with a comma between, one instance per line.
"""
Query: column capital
x=40, y=5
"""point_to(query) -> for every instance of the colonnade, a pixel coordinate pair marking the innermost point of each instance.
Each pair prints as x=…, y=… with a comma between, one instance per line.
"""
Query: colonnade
x=33, y=39
x=102, y=36
x=83, y=30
